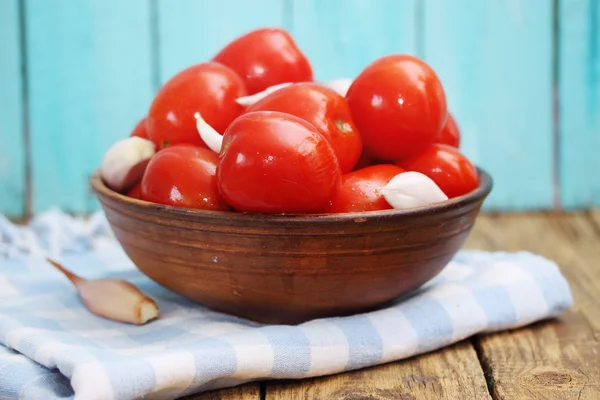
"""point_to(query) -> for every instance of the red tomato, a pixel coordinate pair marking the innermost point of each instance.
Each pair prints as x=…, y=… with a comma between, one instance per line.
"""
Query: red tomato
x=183, y=175
x=208, y=88
x=447, y=167
x=365, y=160
x=272, y=162
x=266, y=57
x=399, y=106
x=359, y=190
x=450, y=134
x=140, y=129
x=136, y=191
x=326, y=110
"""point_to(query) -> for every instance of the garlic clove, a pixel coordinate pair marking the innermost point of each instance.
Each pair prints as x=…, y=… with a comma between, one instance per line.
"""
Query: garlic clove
x=117, y=300
x=212, y=138
x=412, y=189
x=125, y=161
x=112, y=299
x=247, y=101
x=71, y=276
x=340, y=85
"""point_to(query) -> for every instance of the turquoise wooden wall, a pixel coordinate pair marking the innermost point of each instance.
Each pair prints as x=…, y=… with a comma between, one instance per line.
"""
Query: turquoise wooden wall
x=522, y=78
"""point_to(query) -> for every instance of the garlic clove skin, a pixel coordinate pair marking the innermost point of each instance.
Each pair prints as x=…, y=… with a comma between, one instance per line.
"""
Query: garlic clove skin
x=212, y=138
x=340, y=85
x=247, y=101
x=124, y=162
x=412, y=189
x=112, y=299
x=117, y=300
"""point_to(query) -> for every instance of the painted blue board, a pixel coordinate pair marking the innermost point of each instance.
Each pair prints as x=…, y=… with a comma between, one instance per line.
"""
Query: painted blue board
x=341, y=37
x=92, y=70
x=12, y=149
x=495, y=61
x=579, y=103
x=90, y=80
x=193, y=31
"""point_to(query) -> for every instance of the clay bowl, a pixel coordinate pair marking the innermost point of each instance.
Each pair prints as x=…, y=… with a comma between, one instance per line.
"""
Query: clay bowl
x=289, y=269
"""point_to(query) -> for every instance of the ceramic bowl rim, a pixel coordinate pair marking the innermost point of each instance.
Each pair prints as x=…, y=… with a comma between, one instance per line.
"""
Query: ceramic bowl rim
x=478, y=194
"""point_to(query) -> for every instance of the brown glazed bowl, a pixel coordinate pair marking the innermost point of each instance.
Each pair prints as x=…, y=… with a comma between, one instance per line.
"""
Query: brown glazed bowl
x=290, y=269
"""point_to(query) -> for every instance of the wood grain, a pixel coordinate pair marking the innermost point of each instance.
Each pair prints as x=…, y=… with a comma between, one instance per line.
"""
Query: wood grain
x=579, y=101
x=250, y=391
x=570, y=239
x=558, y=359
x=12, y=133
x=504, y=108
x=89, y=75
x=341, y=37
x=193, y=31
x=93, y=66
x=551, y=360
x=454, y=373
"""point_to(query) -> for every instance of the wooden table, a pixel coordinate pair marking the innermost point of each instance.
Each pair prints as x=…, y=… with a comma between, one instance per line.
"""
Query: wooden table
x=557, y=359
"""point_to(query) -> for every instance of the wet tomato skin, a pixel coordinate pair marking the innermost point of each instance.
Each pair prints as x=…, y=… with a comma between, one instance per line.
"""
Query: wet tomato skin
x=136, y=191
x=273, y=162
x=208, y=88
x=266, y=57
x=183, y=175
x=360, y=190
x=447, y=167
x=450, y=133
x=326, y=110
x=398, y=105
x=140, y=129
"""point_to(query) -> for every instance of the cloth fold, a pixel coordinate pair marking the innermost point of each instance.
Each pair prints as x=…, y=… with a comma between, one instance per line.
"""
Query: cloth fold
x=53, y=348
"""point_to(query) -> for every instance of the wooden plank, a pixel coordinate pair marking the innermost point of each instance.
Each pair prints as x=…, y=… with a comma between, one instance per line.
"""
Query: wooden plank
x=495, y=61
x=579, y=101
x=12, y=143
x=454, y=373
x=557, y=359
x=90, y=81
x=193, y=31
x=571, y=240
x=341, y=37
x=594, y=215
x=577, y=250
x=249, y=391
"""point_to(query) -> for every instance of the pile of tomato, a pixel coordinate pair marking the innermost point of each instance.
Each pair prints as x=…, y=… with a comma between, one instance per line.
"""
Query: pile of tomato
x=304, y=148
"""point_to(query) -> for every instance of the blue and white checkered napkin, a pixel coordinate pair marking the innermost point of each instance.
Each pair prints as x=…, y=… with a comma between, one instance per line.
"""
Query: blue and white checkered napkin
x=192, y=349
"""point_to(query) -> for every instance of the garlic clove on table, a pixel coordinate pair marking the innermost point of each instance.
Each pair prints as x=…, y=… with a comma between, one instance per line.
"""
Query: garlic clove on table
x=112, y=299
